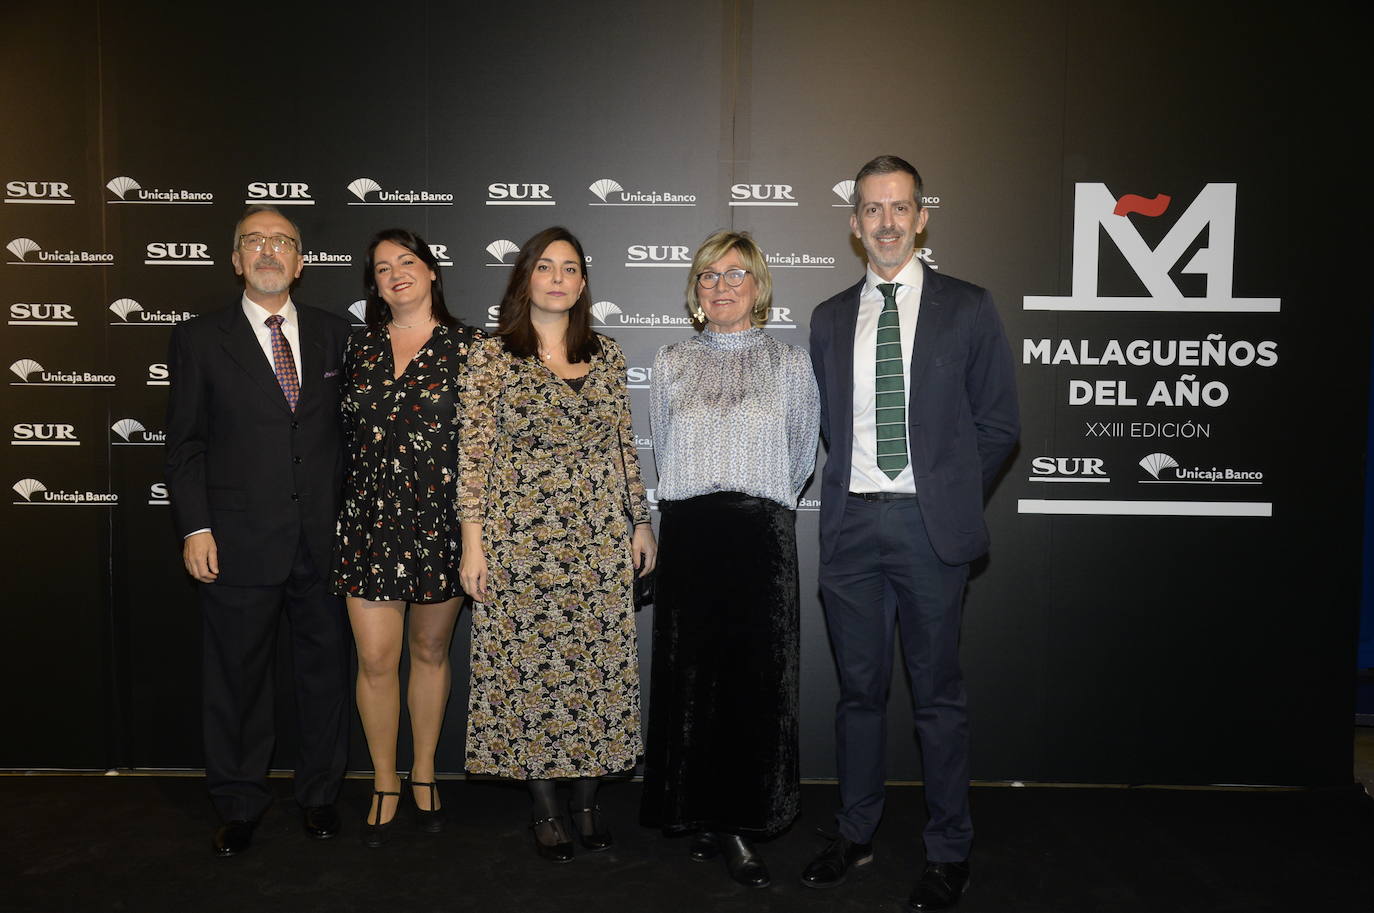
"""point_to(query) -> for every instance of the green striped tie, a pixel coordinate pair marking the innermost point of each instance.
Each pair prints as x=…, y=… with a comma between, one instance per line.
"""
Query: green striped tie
x=889, y=390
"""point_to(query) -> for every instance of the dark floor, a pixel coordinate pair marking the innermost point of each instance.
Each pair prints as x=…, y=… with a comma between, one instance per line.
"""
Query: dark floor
x=141, y=844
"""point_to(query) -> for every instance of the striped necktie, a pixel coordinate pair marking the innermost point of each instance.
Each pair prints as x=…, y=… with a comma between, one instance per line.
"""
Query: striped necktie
x=282, y=363
x=888, y=387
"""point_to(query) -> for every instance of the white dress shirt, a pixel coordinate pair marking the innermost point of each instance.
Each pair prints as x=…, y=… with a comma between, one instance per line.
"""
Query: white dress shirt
x=864, y=474
x=257, y=318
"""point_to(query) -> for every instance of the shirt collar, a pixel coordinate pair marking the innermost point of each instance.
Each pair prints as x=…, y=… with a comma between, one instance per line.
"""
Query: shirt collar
x=257, y=314
x=911, y=275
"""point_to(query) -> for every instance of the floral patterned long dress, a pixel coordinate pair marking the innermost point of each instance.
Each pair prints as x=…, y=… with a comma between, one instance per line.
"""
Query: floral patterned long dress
x=397, y=537
x=555, y=671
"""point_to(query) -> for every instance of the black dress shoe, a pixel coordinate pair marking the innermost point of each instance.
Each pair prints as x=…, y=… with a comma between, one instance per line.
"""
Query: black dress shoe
x=940, y=887
x=561, y=849
x=232, y=838
x=374, y=835
x=744, y=864
x=428, y=820
x=705, y=846
x=597, y=837
x=832, y=864
x=321, y=821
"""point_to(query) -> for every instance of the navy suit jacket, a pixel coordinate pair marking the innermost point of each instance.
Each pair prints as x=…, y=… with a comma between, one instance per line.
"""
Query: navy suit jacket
x=238, y=460
x=962, y=418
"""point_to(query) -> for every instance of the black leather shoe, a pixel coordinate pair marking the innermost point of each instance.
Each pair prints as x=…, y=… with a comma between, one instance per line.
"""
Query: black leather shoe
x=832, y=864
x=704, y=847
x=598, y=836
x=232, y=838
x=321, y=821
x=374, y=835
x=428, y=820
x=744, y=864
x=561, y=850
x=940, y=887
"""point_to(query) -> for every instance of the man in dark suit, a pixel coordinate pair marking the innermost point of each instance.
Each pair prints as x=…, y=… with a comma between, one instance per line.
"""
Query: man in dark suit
x=918, y=410
x=254, y=468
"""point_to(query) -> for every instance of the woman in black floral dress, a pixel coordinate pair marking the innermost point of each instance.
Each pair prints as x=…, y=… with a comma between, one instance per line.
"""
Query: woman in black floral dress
x=398, y=542
x=555, y=524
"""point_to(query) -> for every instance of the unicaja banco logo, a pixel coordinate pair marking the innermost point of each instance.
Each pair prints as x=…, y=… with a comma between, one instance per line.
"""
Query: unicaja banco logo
x=1213, y=210
x=133, y=314
x=845, y=191
x=130, y=431
x=359, y=311
x=500, y=250
x=32, y=491
x=1163, y=468
x=611, y=193
x=32, y=373
x=128, y=190
x=21, y=248
x=370, y=193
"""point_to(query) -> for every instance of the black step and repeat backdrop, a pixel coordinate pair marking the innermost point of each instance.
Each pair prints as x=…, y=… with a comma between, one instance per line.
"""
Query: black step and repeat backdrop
x=1171, y=592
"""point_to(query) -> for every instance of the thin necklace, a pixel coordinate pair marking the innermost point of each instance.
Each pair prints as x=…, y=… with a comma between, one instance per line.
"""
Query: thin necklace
x=404, y=326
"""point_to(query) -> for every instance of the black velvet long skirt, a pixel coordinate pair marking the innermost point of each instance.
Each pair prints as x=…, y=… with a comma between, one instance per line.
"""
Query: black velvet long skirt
x=722, y=747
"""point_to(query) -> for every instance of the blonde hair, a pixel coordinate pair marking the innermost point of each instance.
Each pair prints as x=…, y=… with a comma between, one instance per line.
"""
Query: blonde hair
x=717, y=245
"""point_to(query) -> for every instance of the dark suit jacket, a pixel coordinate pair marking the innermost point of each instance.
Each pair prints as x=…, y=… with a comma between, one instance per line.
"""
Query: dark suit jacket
x=961, y=409
x=238, y=461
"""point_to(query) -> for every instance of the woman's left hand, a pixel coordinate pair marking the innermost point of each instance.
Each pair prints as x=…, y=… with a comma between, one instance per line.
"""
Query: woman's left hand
x=643, y=548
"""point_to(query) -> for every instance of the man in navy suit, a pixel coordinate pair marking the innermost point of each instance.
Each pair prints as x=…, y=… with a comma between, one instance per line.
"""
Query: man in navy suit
x=918, y=411
x=254, y=468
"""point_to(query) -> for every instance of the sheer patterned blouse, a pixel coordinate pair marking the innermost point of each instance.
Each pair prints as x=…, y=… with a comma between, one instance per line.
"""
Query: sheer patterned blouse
x=734, y=412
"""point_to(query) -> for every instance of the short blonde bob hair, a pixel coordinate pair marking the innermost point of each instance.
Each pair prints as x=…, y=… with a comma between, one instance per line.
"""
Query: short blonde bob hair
x=717, y=245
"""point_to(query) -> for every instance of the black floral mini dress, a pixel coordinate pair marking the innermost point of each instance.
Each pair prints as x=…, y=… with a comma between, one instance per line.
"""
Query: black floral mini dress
x=397, y=536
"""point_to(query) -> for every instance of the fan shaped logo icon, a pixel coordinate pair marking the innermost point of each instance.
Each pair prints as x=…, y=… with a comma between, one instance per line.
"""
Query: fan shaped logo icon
x=22, y=247
x=1156, y=463
x=122, y=185
x=603, y=187
x=24, y=368
x=500, y=250
x=27, y=488
x=127, y=426
x=845, y=191
x=123, y=307
x=602, y=310
x=361, y=187
x=359, y=311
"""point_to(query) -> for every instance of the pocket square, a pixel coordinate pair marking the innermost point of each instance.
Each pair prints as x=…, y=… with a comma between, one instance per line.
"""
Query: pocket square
x=332, y=373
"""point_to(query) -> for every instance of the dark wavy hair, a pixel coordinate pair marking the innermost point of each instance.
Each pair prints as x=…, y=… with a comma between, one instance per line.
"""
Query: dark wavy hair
x=514, y=326
x=378, y=312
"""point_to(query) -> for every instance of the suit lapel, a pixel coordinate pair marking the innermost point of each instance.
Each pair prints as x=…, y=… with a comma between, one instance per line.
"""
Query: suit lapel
x=929, y=326
x=242, y=346
x=846, y=325
x=312, y=355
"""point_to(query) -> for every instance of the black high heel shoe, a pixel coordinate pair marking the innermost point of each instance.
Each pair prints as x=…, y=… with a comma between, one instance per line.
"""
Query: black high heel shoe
x=428, y=820
x=705, y=846
x=374, y=835
x=553, y=852
x=593, y=839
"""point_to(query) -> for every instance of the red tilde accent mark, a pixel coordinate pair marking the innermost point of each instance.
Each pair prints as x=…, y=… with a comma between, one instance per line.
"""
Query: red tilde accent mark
x=1134, y=202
